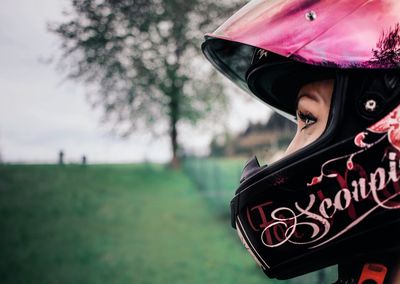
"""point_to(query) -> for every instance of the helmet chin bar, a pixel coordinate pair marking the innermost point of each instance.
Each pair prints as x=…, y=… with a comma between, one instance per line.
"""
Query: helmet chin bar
x=336, y=199
x=346, y=206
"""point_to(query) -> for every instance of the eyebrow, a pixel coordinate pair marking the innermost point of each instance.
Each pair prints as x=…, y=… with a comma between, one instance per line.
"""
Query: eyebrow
x=308, y=95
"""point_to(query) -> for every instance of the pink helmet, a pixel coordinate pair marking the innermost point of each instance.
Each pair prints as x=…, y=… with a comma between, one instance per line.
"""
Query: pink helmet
x=336, y=201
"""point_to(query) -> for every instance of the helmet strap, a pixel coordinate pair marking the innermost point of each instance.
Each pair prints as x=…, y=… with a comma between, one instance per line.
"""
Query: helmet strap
x=373, y=273
x=376, y=270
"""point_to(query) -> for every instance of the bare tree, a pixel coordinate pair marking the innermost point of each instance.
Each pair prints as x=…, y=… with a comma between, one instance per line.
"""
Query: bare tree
x=143, y=57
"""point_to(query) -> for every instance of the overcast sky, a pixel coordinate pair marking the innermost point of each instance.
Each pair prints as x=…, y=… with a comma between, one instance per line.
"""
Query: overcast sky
x=40, y=114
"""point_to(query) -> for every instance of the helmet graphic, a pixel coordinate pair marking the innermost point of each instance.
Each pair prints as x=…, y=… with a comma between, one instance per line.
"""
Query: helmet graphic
x=337, y=199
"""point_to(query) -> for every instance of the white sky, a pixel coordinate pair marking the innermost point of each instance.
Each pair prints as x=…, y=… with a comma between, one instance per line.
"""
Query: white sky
x=40, y=114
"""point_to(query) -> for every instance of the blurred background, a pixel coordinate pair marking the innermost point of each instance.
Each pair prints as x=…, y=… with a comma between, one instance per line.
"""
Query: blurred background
x=120, y=146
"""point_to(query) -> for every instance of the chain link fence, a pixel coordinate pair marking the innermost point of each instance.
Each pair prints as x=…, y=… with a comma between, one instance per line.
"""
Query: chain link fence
x=216, y=179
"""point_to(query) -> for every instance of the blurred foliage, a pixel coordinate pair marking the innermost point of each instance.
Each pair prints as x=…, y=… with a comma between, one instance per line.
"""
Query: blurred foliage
x=143, y=59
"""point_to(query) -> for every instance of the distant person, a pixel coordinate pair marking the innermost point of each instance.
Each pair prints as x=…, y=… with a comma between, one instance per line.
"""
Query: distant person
x=332, y=67
x=61, y=157
x=84, y=161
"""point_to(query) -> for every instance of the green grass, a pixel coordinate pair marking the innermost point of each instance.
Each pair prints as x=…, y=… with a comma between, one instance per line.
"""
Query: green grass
x=113, y=224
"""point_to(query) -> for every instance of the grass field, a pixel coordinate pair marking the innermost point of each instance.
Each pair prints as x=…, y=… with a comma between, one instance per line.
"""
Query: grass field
x=113, y=224
x=121, y=224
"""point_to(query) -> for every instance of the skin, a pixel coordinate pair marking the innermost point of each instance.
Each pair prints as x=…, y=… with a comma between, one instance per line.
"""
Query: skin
x=396, y=274
x=313, y=103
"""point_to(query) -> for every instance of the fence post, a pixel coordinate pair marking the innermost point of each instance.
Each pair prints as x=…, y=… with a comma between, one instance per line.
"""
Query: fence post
x=84, y=160
x=61, y=157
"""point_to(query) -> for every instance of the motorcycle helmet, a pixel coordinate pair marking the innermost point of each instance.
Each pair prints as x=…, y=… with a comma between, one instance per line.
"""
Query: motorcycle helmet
x=337, y=199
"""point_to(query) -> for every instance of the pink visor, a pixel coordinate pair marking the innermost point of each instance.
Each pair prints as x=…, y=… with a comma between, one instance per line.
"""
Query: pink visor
x=331, y=33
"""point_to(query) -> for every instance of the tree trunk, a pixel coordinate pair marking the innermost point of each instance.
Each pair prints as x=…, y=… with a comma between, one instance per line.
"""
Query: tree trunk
x=174, y=115
x=175, y=162
x=175, y=102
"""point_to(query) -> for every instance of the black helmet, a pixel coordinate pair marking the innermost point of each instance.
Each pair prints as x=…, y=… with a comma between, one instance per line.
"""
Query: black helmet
x=337, y=199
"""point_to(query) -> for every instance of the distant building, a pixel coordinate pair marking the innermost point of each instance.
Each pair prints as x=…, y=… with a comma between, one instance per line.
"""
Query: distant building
x=258, y=139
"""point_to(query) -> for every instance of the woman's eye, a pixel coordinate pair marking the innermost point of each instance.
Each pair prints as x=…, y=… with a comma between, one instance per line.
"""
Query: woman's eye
x=307, y=118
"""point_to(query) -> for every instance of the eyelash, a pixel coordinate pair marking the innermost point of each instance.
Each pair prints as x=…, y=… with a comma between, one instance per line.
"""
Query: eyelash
x=307, y=118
